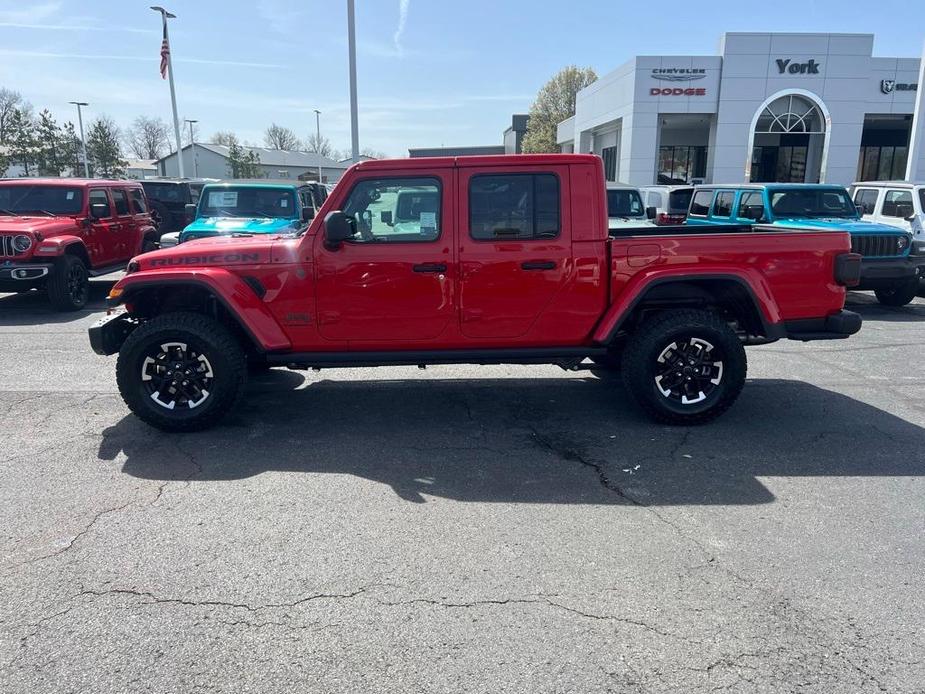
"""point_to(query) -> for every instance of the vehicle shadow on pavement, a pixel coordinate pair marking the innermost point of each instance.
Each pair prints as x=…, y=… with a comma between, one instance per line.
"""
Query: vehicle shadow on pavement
x=541, y=440
x=33, y=308
x=866, y=304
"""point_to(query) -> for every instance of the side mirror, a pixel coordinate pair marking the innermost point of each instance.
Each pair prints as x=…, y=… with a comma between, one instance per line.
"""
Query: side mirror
x=99, y=210
x=651, y=212
x=190, y=210
x=338, y=227
x=308, y=213
x=386, y=217
x=860, y=209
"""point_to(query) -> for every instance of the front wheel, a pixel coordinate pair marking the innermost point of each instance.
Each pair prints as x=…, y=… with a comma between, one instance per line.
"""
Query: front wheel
x=685, y=366
x=69, y=284
x=181, y=371
x=898, y=294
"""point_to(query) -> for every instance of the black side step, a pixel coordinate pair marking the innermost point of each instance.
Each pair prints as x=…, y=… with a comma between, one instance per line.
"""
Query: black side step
x=533, y=355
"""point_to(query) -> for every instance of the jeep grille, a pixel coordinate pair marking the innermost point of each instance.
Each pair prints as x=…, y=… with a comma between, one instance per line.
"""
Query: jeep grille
x=878, y=246
x=6, y=247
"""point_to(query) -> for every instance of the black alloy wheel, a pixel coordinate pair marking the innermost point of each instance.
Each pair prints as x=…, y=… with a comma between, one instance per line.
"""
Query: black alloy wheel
x=175, y=375
x=689, y=370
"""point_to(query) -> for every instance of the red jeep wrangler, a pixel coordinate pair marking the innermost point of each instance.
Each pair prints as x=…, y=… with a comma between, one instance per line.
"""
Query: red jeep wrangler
x=482, y=260
x=56, y=233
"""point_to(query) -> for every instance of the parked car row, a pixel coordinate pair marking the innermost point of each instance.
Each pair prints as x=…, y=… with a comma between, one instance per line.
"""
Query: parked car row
x=885, y=220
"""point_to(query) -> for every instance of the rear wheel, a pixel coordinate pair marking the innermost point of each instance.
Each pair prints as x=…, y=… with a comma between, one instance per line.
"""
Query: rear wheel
x=69, y=284
x=684, y=366
x=898, y=294
x=181, y=371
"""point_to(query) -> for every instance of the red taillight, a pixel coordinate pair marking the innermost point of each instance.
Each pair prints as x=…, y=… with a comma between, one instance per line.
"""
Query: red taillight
x=667, y=219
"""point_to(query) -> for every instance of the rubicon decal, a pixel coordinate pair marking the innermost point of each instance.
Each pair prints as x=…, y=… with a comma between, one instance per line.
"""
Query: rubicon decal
x=215, y=259
x=678, y=91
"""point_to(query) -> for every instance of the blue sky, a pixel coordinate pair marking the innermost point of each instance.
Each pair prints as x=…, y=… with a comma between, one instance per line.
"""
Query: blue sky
x=431, y=72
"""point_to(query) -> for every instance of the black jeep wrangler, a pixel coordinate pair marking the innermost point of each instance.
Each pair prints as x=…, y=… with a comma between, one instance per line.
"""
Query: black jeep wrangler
x=168, y=198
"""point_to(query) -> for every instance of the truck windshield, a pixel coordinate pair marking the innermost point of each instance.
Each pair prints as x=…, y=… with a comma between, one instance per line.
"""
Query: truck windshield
x=624, y=203
x=20, y=199
x=812, y=202
x=246, y=201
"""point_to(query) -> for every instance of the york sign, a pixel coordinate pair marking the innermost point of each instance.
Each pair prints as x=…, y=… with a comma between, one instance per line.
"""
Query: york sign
x=810, y=67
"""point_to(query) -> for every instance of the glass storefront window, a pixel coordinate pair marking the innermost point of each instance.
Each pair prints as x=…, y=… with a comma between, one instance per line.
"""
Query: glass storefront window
x=885, y=163
x=681, y=163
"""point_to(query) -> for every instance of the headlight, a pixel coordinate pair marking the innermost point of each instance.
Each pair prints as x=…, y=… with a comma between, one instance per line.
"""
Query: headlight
x=22, y=243
x=902, y=243
x=133, y=266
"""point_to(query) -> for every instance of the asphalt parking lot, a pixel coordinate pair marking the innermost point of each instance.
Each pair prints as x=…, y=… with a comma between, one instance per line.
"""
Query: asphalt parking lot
x=503, y=529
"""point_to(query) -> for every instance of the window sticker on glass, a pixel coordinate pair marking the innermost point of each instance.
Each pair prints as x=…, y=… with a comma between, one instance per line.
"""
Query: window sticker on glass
x=284, y=202
x=70, y=195
x=223, y=198
x=428, y=220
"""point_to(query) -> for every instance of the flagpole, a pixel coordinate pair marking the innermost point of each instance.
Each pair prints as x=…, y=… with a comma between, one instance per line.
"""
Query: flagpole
x=173, y=94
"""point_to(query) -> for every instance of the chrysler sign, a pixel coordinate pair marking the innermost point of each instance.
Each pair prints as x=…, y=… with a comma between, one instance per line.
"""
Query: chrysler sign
x=678, y=74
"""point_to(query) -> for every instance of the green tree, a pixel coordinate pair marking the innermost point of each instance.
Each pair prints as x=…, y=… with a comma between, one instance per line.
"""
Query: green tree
x=71, y=151
x=243, y=162
x=103, y=149
x=554, y=103
x=52, y=155
x=22, y=141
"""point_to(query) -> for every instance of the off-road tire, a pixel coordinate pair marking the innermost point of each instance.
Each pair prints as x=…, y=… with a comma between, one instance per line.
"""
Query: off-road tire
x=162, y=218
x=898, y=294
x=201, y=334
x=69, y=284
x=653, y=339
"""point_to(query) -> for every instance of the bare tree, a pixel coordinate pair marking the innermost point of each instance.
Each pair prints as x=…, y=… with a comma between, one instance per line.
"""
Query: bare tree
x=373, y=153
x=148, y=137
x=224, y=137
x=280, y=137
x=11, y=101
x=320, y=145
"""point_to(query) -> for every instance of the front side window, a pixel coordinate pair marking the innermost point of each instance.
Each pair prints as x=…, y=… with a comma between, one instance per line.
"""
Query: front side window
x=624, y=203
x=395, y=210
x=818, y=202
x=700, y=204
x=120, y=199
x=514, y=206
x=248, y=201
x=866, y=199
x=138, y=200
x=44, y=200
x=751, y=206
x=722, y=206
x=898, y=203
x=98, y=197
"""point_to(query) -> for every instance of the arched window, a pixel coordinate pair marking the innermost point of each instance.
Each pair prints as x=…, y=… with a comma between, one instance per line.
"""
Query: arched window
x=791, y=113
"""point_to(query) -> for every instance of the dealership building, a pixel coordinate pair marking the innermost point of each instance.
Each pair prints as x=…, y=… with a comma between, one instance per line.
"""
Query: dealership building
x=770, y=107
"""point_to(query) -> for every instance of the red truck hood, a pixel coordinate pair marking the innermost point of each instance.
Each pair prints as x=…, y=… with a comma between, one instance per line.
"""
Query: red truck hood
x=46, y=226
x=222, y=251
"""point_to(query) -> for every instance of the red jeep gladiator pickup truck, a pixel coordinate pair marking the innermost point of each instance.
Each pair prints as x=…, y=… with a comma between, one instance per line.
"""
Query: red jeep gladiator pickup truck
x=55, y=233
x=483, y=260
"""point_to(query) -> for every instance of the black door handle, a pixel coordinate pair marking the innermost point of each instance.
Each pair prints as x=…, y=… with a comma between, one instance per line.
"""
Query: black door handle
x=430, y=267
x=539, y=265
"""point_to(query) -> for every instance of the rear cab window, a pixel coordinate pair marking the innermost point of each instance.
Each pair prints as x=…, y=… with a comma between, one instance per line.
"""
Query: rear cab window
x=514, y=206
x=700, y=203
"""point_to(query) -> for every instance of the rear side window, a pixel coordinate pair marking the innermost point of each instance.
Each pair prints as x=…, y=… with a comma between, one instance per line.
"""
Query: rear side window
x=722, y=206
x=750, y=204
x=120, y=199
x=138, y=200
x=700, y=205
x=680, y=200
x=514, y=206
x=866, y=199
x=98, y=197
x=655, y=200
x=898, y=203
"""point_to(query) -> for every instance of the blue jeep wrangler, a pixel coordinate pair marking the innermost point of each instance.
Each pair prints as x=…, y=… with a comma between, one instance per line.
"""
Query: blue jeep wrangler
x=887, y=266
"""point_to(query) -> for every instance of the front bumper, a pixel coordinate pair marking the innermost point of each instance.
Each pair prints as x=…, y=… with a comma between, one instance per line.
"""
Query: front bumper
x=878, y=273
x=19, y=276
x=108, y=334
x=837, y=326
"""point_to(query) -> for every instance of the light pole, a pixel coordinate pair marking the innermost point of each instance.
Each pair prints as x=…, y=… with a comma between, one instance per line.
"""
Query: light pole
x=83, y=141
x=192, y=145
x=318, y=140
x=165, y=53
x=352, y=45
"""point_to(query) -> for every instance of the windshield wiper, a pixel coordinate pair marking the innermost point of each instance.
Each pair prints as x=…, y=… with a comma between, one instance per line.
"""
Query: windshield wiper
x=9, y=212
x=44, y=212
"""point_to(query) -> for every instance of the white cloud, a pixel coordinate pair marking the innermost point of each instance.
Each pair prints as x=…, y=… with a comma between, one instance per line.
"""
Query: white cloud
x=403, y=7
x=78, y=27
x=30, y=14
x=135, y=58
x=282, y=16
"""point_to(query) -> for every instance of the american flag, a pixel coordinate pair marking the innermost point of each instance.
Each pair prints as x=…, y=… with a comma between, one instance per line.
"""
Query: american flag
x=165, y=53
